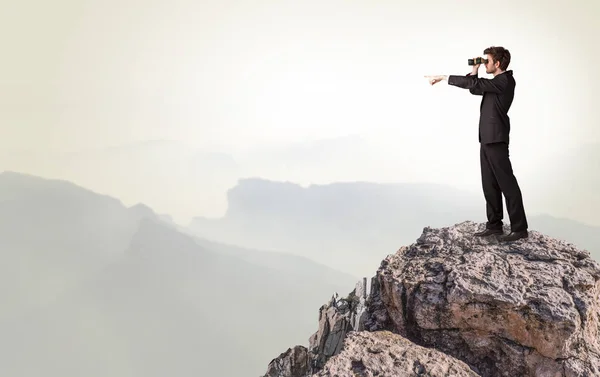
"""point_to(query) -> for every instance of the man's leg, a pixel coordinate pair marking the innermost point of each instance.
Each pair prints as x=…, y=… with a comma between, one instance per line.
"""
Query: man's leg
x=491, y=191
x=502, y=168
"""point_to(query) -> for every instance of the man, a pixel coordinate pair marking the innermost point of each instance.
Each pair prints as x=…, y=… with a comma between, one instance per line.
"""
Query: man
x=494, y=127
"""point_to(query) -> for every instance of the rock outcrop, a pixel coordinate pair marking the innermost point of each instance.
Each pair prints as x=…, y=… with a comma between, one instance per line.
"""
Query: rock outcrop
x=383, y=353
x=336, y=319
x=524, y=308
x=293, y=362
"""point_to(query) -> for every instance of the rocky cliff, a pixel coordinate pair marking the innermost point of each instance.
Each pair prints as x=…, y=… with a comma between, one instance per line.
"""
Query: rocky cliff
x=452, y=304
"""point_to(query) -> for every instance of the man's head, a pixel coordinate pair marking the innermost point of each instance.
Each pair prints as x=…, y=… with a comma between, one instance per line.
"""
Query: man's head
x=498, y=59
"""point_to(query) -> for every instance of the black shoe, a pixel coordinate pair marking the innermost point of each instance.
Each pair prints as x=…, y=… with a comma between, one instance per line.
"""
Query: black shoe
x=488, y=232
x=513, y=236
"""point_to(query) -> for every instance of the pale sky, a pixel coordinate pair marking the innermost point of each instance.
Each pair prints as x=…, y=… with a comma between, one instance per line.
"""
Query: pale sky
x=244, y=77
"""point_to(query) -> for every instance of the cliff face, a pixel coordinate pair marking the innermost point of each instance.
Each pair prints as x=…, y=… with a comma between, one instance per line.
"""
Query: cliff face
x=455, y=304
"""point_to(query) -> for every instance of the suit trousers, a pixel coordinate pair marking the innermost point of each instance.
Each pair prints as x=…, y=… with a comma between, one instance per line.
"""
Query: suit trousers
x=497, y=178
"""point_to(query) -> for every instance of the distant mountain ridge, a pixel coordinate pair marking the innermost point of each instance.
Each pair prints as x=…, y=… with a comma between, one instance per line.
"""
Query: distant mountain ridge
x=352, y=225
x=88, y=281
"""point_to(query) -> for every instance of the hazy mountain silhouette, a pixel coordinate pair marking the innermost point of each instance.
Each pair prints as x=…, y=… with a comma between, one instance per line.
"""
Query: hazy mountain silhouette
x=352, y=226
x=575, y=182
x=347, y=225
x=99, y=289
x=52, y=235
x=156, y=171
x=583, y=235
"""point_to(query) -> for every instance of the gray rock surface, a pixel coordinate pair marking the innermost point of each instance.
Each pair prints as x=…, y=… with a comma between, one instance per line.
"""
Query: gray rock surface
x=383, y=353
x=293, y=362
x=337, y=319
x=525, y=308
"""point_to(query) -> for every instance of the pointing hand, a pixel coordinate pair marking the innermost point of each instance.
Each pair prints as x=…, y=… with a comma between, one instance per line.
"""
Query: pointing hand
x=435, y=79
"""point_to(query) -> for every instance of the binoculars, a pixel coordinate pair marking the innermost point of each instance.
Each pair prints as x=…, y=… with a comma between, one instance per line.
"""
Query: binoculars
x=479, y=60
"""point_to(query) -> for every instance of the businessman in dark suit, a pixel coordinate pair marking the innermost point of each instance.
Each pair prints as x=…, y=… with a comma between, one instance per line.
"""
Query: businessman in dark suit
x=494, y=127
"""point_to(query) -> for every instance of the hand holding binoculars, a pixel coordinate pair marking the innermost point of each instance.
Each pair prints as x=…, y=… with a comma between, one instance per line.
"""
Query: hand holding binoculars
x=478, y=60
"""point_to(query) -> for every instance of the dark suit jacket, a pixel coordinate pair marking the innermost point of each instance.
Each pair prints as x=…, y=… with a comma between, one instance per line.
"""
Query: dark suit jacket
x=498, y=94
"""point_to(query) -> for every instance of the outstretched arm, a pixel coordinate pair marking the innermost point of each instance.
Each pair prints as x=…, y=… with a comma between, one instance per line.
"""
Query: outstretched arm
x=473, y=90
x=479, y=85
x=476, y=90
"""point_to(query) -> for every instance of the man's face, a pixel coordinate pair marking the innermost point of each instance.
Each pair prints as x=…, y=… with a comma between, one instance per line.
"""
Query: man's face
x=490, y=67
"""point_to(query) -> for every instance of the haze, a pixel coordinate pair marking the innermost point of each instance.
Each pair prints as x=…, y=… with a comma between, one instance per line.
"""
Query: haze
x=244, y=78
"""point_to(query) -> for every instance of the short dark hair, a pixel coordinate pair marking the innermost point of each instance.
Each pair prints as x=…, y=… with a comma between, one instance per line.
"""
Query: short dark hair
x=499, y=54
